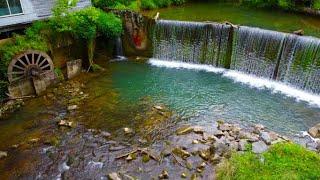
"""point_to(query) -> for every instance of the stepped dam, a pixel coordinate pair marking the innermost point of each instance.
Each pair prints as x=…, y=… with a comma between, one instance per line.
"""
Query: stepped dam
x=286, y=58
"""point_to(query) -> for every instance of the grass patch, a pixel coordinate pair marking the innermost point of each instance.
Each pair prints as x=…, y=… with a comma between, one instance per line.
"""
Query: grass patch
x=282, y=161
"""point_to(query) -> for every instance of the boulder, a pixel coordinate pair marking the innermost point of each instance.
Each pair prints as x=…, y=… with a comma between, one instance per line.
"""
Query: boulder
x=259, y=147
x=315, y=131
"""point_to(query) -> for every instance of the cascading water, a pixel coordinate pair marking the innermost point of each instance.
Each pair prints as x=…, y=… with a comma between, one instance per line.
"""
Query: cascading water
x=290, y=59
x=256, y=51
x=191, y=42
x=300, y=63
x=118, y=50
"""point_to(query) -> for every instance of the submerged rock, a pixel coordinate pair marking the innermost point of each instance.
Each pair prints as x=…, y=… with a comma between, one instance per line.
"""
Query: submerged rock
x=315, y=131
x=181, y=153
x=259, y=147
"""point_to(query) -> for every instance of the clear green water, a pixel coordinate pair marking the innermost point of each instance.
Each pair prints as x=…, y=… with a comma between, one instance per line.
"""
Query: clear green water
x=200, y=97
x=220, y=12
x=203, y=97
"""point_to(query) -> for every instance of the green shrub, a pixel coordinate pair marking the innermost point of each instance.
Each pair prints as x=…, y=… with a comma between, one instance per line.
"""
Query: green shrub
x=282, y=161
x=316, y=4
x=111, y=3
x=178, y=2
x=148, y=4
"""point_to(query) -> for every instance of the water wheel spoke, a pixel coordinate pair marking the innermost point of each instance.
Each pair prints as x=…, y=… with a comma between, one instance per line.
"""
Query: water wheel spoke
x=18, y=78
x=24, y=64
x=17, y=72
x=32, y=59
x=44, y=67
x=45, y=60
x=38, y=59
x=27, y=58
x=18, y=67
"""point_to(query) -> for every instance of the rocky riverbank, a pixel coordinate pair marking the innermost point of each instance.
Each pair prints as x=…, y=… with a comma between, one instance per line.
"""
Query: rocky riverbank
x=182, y=151
x=156, y=144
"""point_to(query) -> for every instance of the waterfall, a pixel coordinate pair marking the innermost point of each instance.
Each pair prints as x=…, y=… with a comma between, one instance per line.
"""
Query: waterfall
x=300, y=63
x=118, y=50
x=256, y=51
x=192, y=42
x=289, y=59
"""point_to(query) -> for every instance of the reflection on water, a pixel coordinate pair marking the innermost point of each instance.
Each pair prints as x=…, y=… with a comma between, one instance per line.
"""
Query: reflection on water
x=220, y=12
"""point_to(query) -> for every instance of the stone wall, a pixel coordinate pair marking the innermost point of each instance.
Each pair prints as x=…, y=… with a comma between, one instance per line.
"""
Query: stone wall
x=138, y=34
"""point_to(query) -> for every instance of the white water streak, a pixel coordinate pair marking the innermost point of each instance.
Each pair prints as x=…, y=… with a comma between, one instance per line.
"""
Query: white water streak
x=252, y=81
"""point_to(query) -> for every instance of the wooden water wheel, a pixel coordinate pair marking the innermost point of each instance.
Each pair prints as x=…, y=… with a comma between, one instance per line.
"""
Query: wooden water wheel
x=29, y=64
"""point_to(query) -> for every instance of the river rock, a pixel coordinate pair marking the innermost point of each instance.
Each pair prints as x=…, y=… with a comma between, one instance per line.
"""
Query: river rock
x=164, y=175
x=160, y=108
x=257, y=128
x=243, y=145
x=225, y=127
x=127, y=130
x=183, y=175
x=259, y=147
x=181, y=153
x=65, y=123
x=266, y=137
x=113, y=176
x=72, y=107
x=220, y=148
x=198, y=129
x=105, y=134
x=315, y=131
x=249, y=136
x=3, y=154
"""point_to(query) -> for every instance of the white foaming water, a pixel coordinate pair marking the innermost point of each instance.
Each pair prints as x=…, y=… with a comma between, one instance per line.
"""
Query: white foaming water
x=252, y=81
